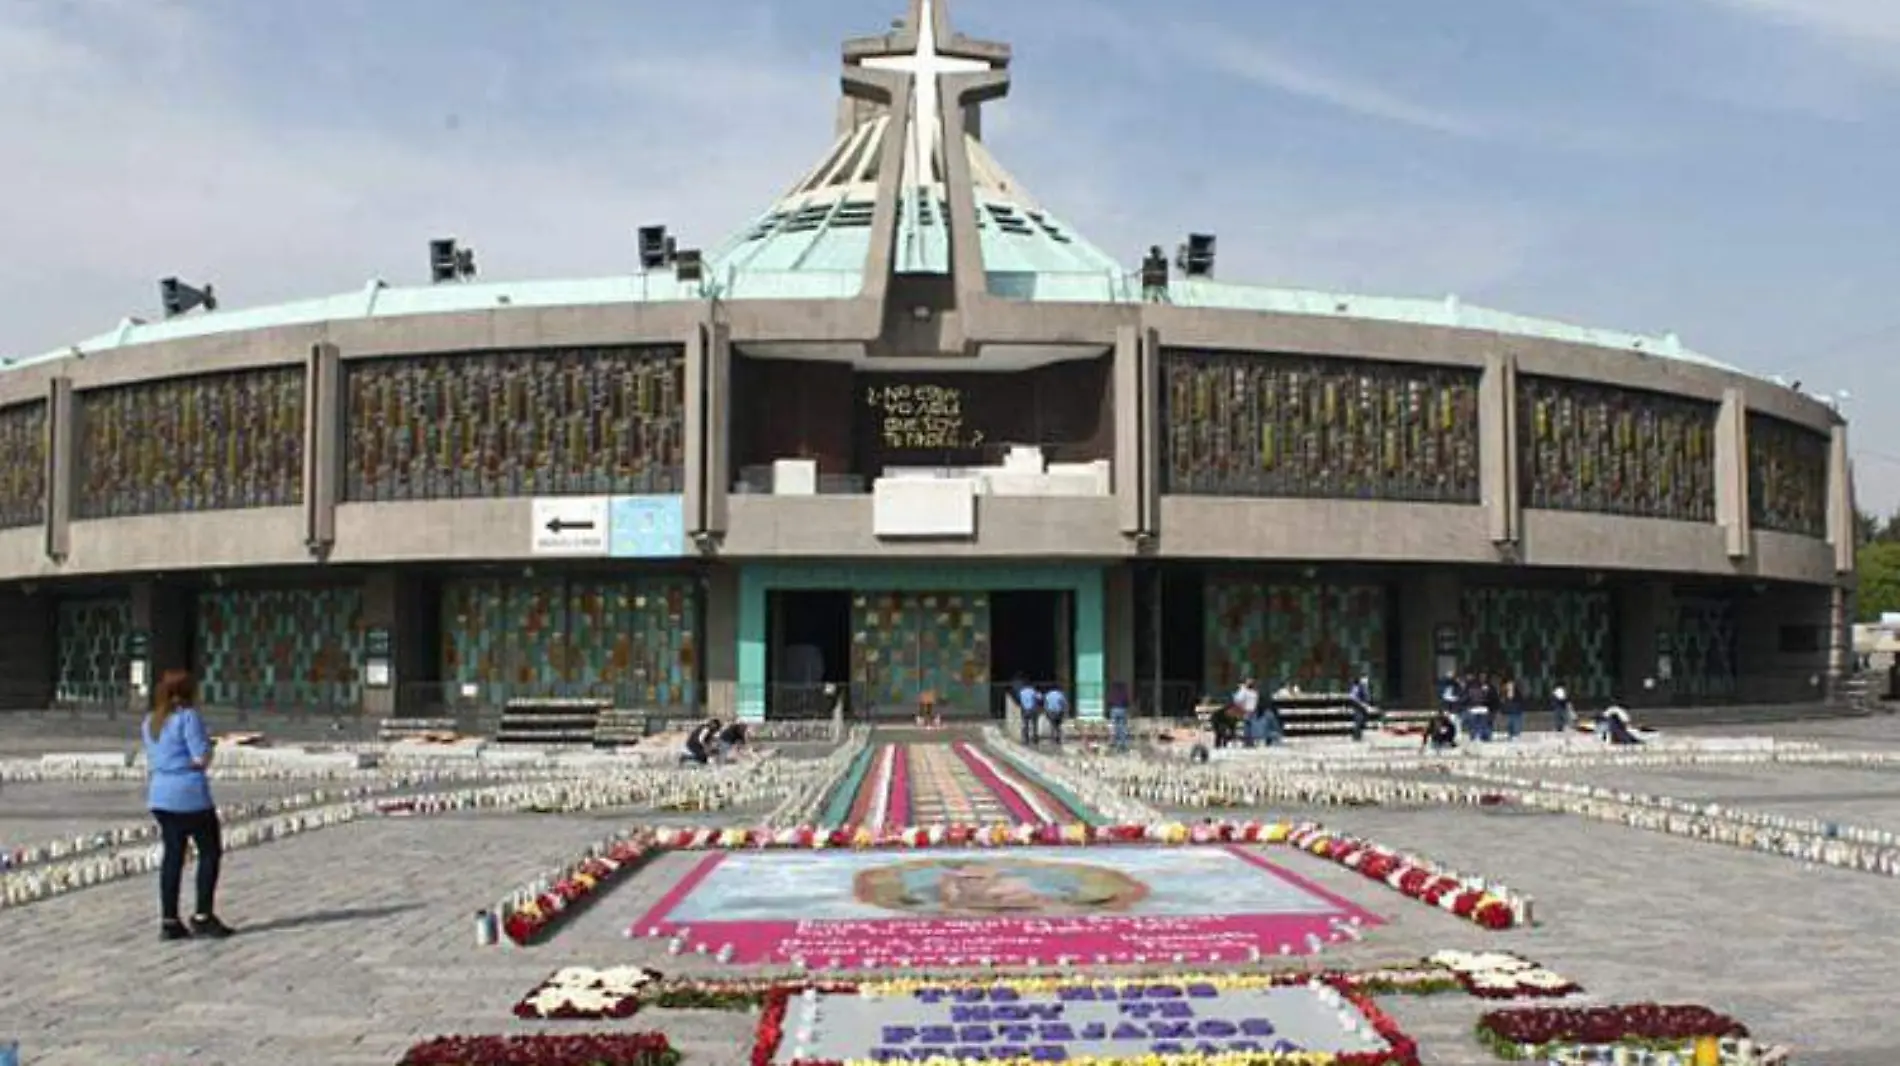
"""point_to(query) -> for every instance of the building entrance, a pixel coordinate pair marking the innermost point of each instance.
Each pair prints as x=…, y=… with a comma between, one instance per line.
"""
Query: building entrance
x=1032, y=640
x=809, y=648
x=907, y=647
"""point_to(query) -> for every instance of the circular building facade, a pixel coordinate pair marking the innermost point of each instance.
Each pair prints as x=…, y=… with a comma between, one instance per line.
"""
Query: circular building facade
x=907, y=432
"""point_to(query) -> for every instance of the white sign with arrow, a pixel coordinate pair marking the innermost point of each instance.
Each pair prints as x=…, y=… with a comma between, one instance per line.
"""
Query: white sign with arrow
x=570, y=525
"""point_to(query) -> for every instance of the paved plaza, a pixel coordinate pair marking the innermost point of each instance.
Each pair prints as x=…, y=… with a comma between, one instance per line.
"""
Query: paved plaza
x=357, y=940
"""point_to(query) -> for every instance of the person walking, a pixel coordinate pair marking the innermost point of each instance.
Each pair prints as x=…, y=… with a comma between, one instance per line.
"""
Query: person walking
x=1118, y=702
x=1055, y=707
x=1513, y=709
x=1029, y=702
x=177, y=753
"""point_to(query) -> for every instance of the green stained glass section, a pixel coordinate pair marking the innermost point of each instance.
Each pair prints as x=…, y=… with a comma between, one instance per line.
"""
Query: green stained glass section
x=594, y=421
x=1585, y=447
x=1237, y=424
x=631, y=640
x=94, y=644
x=23, y=471
x=209, y=443
x=1787, y=477
x=1703, y=652
x=1321, y=637
x=260, y=649
x=1541, y=637
x=904, y=644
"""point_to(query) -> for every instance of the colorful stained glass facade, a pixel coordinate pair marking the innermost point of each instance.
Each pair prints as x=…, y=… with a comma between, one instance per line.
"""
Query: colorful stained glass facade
x=595, y=421
x=904, y=644
x=1541, y=637
x=1787, y=477
x=1237, y=424
x=1321, y=637
x=95, y=644
x=1585, y=447
x=209, y=443
x=23, y=474
x=280, y=648
x=632, y=640
x=1703, y=648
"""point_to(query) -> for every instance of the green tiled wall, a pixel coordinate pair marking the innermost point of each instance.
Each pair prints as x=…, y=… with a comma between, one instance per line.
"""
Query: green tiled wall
x=1541, y=637
x=906, y=643
x=94, y=638
x=1318, y=636
x=280, y=648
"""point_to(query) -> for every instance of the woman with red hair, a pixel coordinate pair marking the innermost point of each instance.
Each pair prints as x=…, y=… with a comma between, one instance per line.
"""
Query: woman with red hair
x=177, y=752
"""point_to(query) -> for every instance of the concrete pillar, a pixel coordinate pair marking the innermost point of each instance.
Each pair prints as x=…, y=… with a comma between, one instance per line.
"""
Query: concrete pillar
x=1731, y=473
x=720, y=655
x=1128, y=482
x=1123, y=624
x=1151, y=442
x=1428, y=611
x=1645, y=632
x=1840, y=502
x=693, y=372
x=29, y=650
x=718, y=407
x=1091, y=632
x=322, y=447
x=164, y=621
x=62, y=472
x=1497, y=447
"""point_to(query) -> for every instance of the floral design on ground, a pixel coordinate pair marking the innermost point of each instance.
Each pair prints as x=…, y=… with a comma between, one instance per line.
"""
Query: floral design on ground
x=1400, y=1049
x=1527, y=1032
x=579, y=992
x=1502, y=975
x=1490, y=906
x=605, y=1049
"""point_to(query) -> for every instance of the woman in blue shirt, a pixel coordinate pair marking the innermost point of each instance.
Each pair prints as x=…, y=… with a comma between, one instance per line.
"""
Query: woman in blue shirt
x=177, y=751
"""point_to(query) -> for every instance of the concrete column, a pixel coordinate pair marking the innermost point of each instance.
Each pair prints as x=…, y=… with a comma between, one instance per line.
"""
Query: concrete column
x=1428, y=603
x=62, y=473
x=1840, y=502
x=1645, y=631
x=29, y=649
x=1151, y=443
x=721, y=652
x=322, y=447
x=1123, y=625
x=1091, y=625
x=749, y=642
x=165, y=615
x=718, y=406
x=693, y=491
x=1731, y=473
x=1129, y=484
x=1497, y=447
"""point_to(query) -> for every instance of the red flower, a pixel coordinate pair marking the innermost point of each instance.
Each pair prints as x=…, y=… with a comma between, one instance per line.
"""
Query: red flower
x=616, y=1049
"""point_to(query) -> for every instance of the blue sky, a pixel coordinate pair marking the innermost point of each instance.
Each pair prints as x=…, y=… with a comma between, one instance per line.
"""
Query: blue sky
x=1722, y=168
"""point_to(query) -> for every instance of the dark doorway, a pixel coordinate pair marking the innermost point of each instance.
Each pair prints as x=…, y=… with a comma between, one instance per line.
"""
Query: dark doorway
x=1183, y=638
x=809, y=648
x=1030, y=639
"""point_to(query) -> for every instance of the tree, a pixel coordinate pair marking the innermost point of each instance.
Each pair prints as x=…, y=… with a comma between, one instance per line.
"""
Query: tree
x=1878, y=574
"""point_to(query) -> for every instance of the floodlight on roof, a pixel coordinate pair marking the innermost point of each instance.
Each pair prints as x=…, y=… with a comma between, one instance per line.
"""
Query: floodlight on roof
x=177, y=297
x=1196, y=257
x=449, y=262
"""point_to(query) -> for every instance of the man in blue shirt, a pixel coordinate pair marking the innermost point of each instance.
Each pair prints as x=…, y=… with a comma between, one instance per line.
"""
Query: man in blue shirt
x=1055, y=707
x=1029, y=701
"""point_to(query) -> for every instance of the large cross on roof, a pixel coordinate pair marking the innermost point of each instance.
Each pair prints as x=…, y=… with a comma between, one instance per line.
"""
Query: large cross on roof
x=925, y=50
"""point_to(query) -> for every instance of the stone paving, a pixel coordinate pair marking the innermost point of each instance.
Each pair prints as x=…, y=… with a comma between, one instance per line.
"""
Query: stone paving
x=358, y=939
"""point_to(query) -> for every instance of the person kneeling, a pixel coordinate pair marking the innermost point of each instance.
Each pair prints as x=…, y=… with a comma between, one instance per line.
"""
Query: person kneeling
x=700, y=742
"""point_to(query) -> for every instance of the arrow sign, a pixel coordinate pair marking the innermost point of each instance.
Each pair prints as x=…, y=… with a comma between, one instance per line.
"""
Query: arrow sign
x=569, y=525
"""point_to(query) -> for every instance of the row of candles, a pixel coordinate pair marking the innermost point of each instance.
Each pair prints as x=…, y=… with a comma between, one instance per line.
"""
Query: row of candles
x=752, y=782
x=802, y=804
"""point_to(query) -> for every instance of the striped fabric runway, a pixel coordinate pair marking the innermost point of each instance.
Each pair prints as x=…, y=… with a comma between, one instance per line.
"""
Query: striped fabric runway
x=894, y=786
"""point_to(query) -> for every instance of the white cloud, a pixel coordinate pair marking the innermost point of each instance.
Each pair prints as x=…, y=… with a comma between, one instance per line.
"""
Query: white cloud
x=1260, y=64
x=141, y=160
x=1869, y=25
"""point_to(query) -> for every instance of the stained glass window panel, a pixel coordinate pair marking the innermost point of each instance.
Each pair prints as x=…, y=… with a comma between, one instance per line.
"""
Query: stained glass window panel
x=1584, y=447
x=595, y=421
x=1293, y=426
x=262, y=649
x=210, y=443
x=1542, y=638
x=1319, y=636
x=23, y=473
x=1787, y=477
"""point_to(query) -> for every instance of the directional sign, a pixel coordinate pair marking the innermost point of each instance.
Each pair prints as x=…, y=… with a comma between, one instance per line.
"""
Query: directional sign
x=570, y=525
